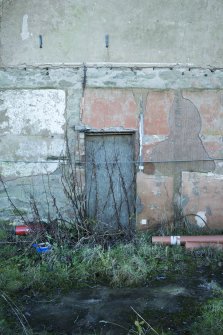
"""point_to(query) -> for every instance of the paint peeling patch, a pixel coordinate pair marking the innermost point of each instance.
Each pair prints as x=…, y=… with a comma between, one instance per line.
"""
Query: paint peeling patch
x=201, y=219
x=215, y=176
x=148, y=139
x=25, y=29
x=33, y=112
x=184, y=201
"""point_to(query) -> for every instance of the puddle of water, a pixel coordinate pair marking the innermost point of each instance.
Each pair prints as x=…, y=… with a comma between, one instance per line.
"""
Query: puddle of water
x=167, y=305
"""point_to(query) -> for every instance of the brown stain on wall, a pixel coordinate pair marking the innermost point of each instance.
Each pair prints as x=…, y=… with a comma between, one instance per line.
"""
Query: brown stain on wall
x=183, y=143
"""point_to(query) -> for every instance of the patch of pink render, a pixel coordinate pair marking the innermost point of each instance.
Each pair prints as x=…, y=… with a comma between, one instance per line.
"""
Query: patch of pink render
x=204, y=194
x=156, y=119
x=110, y=108
x=156, y=113
x=210, y=106
x=156, y=194
x=106, y=108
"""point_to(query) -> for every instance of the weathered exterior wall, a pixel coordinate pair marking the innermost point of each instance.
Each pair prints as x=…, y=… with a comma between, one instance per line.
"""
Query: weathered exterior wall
x=148, y=31
x=32, y=131
x=176, y=114
x=181, y=131
x=156, y=196
x=37, y=109
x=202, y=195
x=157, y=74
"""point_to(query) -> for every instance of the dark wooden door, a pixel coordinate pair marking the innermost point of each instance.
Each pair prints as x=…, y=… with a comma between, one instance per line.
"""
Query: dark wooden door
x=110, y=180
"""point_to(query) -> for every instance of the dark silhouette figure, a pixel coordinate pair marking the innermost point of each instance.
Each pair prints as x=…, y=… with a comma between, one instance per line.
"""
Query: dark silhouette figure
x=183, y=143
x=183, y=150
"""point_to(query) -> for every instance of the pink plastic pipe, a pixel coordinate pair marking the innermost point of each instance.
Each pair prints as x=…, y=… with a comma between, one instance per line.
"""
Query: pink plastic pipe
x=183, y=240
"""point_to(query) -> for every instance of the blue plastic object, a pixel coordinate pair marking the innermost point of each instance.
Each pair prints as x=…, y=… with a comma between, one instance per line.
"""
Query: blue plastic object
x=42, y=247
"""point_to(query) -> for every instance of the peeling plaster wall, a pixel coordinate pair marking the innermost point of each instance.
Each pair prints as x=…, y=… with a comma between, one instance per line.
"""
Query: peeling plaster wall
x=38, y=104
x=151, y=31
x=36, y=108
x=175, y=111
x=31, y=131
x=202, y=195
x=175, y=138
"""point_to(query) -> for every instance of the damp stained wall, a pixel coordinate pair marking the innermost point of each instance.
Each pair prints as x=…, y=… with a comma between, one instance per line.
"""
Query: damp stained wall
x=182, y=148
x=36, y=107
x=176, y=114
x=146, y=31
x=174, y=106
x=32, y=126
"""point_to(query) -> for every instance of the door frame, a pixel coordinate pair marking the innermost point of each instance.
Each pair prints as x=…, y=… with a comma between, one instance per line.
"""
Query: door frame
x=117, y=132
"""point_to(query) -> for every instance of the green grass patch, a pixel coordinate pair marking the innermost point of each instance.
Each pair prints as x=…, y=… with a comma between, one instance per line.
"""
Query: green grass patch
x=123, y=264
x=211, y=320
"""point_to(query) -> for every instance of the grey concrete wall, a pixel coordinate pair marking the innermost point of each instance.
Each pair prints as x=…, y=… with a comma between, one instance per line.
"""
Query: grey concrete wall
x=148, y=31
x=32, y=131
x=37, y=109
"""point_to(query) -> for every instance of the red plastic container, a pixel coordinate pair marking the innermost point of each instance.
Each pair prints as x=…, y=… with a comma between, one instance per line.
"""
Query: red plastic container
x=23, y=230
x=29, y=229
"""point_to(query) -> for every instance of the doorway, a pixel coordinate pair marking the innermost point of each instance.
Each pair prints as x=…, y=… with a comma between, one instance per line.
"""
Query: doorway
x=110, y=179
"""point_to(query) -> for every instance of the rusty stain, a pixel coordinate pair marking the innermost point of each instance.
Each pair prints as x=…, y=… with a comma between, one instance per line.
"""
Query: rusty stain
x=149, y=168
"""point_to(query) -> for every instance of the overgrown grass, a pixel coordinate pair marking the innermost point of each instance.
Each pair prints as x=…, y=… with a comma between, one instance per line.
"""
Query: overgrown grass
x=136, y=263
x=211, y=320
x=123, y=264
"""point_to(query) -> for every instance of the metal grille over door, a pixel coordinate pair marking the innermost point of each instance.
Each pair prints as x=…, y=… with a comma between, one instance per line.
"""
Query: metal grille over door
x=110, y=179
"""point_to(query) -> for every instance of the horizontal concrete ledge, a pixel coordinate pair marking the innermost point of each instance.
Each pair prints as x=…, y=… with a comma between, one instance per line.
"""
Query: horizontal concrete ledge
x=69, y=77
x=105, y=131
x=113, y=65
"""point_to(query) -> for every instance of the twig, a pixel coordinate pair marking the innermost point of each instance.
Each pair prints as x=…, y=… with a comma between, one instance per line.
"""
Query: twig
x=11, y=202
x=21, y=317
x=192, y=214
x=155, y=332
x=113, y=323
